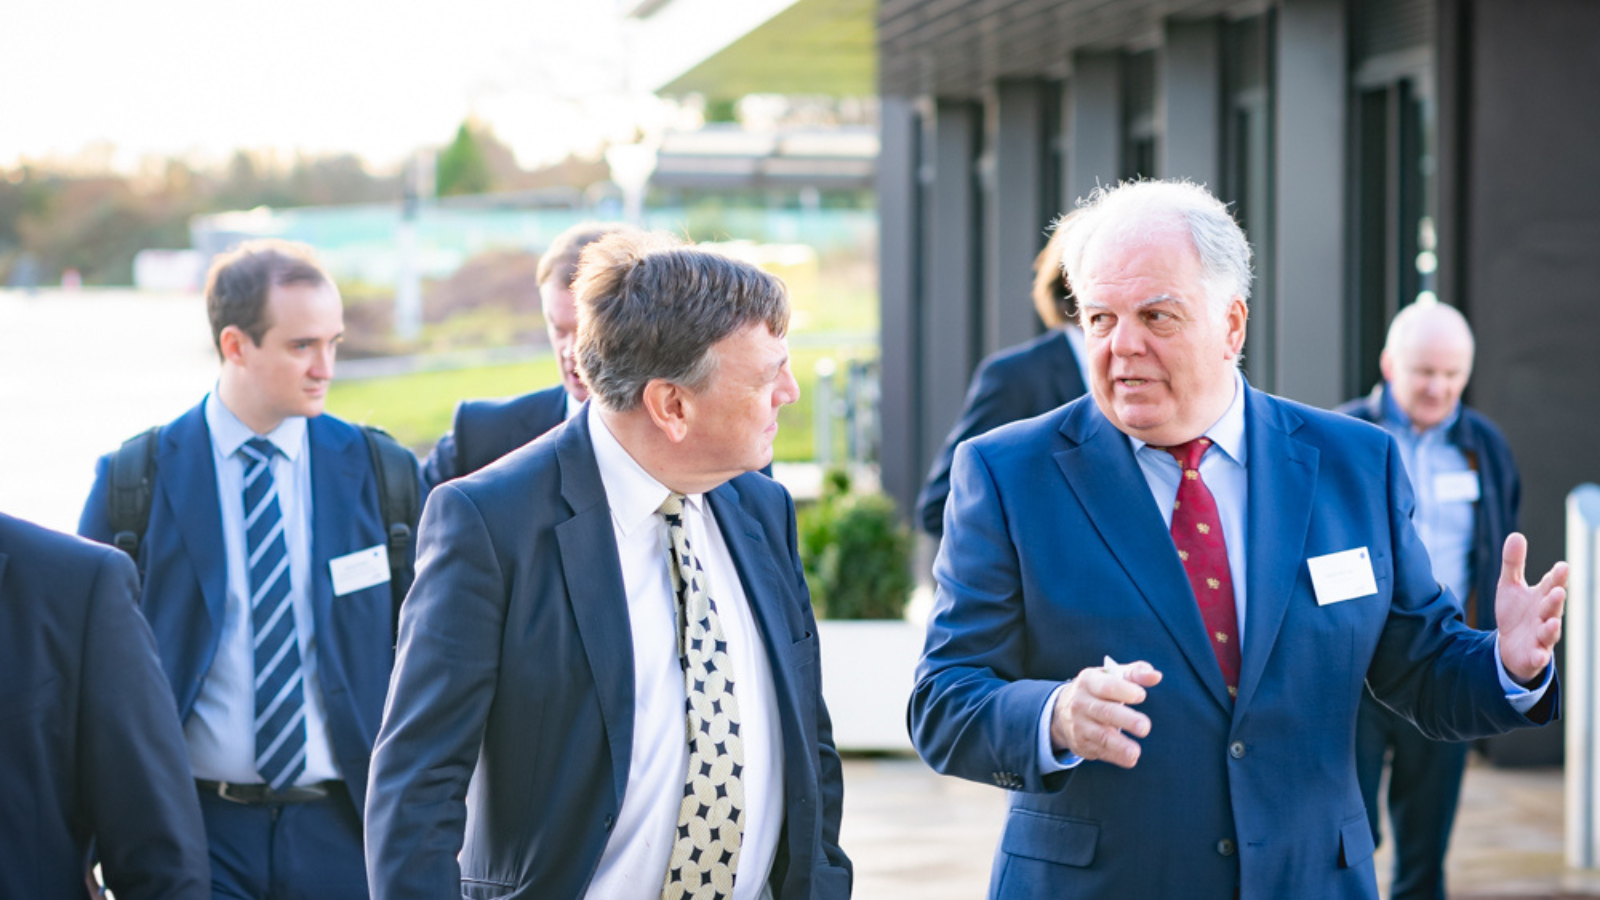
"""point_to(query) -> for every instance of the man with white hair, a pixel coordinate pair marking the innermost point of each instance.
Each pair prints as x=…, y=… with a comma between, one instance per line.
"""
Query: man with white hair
x=1172, y=702
x=1468, y=493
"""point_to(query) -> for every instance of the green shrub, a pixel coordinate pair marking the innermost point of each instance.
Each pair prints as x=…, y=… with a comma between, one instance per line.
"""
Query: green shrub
x=856, y=553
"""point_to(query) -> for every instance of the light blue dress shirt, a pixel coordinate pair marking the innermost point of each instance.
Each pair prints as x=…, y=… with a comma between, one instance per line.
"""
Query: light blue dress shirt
x=221, y=731
x=1444, y=517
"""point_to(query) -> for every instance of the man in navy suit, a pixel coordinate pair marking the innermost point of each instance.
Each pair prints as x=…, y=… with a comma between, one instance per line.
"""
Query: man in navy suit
x=1018, y=382
x=266, y=582
x=486, y=430
x=91, y=752
x=1468, y=494
x=1158, y=608
x=607, y=683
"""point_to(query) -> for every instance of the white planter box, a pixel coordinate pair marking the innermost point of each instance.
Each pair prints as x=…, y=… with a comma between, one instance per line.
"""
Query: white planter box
x=867, y=669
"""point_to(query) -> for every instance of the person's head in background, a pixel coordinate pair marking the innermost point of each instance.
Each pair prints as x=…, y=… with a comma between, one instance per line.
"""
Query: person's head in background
x=557, y=268
x=1427, y=360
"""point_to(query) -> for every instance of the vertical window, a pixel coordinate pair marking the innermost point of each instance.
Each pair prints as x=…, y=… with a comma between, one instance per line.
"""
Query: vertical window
x=1247, y=174
x=1139, y=124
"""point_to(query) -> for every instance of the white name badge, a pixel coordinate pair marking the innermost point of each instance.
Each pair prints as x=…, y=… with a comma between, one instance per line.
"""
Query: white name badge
x=1456, y=487
x=360, y=570
x=1342, y=576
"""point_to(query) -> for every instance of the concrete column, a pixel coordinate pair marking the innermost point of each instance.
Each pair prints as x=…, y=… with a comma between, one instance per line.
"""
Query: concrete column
x=1309, y=109
x=1094, y=122
x=1190, y=102
x=948, y=313
x=899, y=277
x=1015, y=220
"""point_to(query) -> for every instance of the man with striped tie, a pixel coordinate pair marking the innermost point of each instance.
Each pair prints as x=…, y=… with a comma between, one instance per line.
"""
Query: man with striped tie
x=266, y=582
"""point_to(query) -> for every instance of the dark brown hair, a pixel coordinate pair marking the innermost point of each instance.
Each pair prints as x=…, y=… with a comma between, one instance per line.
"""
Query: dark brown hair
x=240, y=280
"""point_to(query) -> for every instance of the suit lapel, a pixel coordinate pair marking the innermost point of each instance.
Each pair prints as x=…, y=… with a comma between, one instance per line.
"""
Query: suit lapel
x=1099, y=467
x=773, y=604
x=187, y=475
x=1283, y=481
x=340, y=468
x=595, y=590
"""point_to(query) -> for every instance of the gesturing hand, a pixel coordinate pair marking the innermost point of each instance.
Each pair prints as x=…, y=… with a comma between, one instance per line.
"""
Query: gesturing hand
x=1529, y=616
x=1093, y=718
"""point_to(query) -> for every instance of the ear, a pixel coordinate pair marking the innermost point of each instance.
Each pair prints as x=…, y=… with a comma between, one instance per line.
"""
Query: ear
x=670, y=407
x=1236, y=318
x=231, y=341
x=1386, y=364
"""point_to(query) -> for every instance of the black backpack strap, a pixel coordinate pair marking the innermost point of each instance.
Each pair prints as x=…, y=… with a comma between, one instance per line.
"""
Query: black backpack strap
x=133, y=479
x=399, y=502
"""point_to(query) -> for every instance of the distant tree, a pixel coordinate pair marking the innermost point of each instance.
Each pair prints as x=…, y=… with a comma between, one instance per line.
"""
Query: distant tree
x=463, y=168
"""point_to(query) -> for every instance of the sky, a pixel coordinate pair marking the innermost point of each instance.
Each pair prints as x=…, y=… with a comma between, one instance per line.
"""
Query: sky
x=198, y=78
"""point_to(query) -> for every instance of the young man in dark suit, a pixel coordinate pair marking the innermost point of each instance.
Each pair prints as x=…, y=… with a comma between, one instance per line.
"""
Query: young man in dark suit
x=91, y=753
x=485, y=430
x=267, y=584
x=607, y=684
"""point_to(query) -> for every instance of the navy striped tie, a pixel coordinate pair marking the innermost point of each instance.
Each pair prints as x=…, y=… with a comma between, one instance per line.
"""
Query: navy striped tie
x=280, y=697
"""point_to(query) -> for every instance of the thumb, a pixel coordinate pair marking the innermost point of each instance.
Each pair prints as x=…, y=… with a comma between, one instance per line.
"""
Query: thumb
x=1514, y=559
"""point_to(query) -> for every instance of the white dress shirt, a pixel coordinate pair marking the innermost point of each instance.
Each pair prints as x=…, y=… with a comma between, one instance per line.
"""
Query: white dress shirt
x=221, y=732
x=634, y=864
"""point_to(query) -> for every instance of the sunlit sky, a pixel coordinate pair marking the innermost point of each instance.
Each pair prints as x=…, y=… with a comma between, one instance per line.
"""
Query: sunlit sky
x=198, y=78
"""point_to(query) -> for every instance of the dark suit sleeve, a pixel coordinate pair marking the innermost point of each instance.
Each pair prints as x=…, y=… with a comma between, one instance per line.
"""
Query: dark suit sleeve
x=439, y=697
x=972, y=712
x=134, y=767
x=444, y=462
x=95, y=521
x=988, y=406
x=830, y=772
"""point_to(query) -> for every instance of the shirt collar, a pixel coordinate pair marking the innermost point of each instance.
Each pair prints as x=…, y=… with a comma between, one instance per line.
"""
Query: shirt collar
x=1393, y=414
x=569, y=405
x=632, y=493
x=1227, y=433
x=229, y=434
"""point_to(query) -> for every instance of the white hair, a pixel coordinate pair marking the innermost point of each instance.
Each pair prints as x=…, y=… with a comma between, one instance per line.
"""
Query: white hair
x=1139, y=207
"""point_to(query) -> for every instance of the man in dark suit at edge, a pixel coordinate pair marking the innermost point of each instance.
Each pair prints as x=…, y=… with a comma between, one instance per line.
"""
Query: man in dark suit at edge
x=90, y=750
x=575, y=599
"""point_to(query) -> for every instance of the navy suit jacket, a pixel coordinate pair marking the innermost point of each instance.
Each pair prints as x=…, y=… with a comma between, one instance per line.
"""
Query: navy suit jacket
x=486, y=430
x=510, y=719
x=185, y=575
x=1018, y=382
x=1499, y=497
x=90, y=748
x=1057, y=556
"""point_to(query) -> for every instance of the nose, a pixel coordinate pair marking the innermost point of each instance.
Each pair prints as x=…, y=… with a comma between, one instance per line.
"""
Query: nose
x=1127, y=339
x=322, y=367
x=788, y=389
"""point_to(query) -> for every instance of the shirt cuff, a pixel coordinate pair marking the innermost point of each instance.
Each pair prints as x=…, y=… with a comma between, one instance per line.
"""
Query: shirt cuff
x=1521, y=699
x=1049, y=760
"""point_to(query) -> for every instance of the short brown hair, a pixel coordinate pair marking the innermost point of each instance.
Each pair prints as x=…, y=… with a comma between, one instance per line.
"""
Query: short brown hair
x=1052, y=296
x=650, y=307
x=560, y=260
x=240, y=279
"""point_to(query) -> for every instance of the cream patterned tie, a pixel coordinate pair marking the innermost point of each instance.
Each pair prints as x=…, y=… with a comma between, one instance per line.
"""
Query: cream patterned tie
x=705, y=854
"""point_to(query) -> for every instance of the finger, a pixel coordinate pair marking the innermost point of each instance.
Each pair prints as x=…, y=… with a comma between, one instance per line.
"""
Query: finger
x=1514, y=559
x=1144, y=674
x=1556, y=577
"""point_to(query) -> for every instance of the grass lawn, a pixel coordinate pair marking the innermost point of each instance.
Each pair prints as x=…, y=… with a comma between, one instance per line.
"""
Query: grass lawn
x=417, y=407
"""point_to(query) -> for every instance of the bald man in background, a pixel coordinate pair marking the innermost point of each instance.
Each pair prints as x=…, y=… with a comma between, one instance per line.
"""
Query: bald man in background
x=1467, y=497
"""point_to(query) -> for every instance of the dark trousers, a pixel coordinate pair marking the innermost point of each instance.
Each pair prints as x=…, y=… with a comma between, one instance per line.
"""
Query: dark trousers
x=1424, y=790
x=292, y=851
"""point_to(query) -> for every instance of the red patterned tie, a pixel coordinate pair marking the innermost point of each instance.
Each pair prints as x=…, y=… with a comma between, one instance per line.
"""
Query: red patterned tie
x=1197, y=533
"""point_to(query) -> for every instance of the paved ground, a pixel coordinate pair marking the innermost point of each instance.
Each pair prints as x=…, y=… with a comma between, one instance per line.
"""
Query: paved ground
x=917, y=836
x=81, y=371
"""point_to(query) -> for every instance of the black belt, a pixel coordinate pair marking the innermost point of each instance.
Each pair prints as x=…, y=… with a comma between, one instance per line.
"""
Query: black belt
x=262, y=795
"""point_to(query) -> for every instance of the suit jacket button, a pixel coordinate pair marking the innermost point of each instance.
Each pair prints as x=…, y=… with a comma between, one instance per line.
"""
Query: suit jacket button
x=1225, y=847
x=1236, y=749
x=609, y=822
